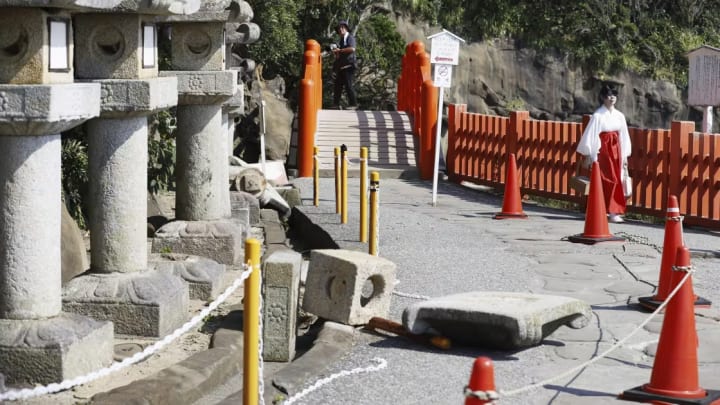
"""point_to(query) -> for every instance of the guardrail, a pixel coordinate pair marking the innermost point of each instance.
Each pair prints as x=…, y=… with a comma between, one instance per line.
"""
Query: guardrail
x=675, y=161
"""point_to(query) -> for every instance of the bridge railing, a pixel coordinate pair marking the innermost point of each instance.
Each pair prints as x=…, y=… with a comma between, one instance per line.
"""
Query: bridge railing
x=310, y=103
x=418, y=97
x=675, y=161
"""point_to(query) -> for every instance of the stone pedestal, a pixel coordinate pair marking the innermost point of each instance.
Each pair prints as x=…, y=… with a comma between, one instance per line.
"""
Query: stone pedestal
x=281, y=287
x=38, y=343
x=204, y=276
x=119, y=287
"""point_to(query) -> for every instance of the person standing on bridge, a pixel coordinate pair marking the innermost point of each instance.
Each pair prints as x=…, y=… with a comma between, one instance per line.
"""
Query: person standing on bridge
x=344, y=65
x=606, y=140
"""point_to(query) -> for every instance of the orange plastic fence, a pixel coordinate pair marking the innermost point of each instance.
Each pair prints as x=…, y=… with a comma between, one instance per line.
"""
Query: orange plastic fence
x=310, y=102
x=675, y=161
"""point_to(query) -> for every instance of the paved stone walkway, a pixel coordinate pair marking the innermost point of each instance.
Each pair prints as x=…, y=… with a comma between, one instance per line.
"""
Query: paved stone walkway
x=457, y=247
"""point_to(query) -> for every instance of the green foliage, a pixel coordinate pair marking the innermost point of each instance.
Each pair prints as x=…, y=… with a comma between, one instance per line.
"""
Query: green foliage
x=281, y=45
x=603, y=37
x=161, y=151
x=75, y=173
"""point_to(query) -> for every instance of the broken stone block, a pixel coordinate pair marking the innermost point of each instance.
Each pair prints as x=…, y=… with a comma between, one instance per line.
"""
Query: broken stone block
x=281, y=285
x=503, y=320
x=347, y=286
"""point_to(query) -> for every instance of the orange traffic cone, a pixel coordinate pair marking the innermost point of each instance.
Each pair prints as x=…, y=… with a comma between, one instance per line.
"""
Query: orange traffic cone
x=512, y=204
x=481, y=388
x=675, y=370
x=596, y=223
x=672, y=241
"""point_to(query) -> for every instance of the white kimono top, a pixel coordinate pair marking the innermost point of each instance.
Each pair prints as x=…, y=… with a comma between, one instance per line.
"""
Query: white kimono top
x=601, y=121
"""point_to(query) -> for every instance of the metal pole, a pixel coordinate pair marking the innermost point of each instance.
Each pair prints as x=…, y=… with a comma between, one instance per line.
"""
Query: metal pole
x=251, y=322
x=262, y=137
x=363, y=194
x=344, y=181
x=436, y=167
x=374, y=190
x=336, y=152
x=316, y=177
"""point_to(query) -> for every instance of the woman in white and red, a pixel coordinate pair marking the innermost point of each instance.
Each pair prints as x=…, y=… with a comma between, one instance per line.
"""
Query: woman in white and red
x=607, y=141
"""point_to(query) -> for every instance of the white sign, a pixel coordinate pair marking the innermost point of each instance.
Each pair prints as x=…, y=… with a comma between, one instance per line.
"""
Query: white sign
x=445, y=49
x=442, y=76
x=58, y=45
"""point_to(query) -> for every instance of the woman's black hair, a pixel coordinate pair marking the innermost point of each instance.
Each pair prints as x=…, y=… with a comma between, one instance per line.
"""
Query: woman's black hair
x=607, y=90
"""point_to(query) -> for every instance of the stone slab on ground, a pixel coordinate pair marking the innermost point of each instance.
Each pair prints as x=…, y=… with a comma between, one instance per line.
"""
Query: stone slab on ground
x=332, y=342
x=182, y=383
x=502, y=320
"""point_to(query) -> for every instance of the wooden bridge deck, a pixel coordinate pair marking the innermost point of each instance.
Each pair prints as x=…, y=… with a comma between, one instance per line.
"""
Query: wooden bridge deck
x=387, y=135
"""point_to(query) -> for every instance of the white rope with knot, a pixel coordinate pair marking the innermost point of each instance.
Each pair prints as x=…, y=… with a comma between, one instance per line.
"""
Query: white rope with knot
x=27, y=393
x=382, y=363
x=602, y=355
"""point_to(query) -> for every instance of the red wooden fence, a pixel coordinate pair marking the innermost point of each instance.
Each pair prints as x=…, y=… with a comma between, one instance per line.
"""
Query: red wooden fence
x=664, y=161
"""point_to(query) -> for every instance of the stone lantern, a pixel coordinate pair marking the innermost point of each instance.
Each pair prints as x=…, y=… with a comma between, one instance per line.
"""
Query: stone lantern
x=38, y=100
x=118, y=50
x=202, y=202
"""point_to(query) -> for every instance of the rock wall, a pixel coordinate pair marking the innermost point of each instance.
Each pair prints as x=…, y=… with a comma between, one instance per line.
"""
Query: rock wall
x=497, y=76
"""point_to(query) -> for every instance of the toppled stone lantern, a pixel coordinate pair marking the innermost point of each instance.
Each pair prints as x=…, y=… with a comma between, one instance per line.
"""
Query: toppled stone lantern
x=202, y=199
x=38, y=100
x=118, y=50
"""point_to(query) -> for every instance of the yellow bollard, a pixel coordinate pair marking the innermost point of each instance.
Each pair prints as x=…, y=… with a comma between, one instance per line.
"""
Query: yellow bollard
x=337, y=179
x=316, y=177
x=363, y=194
x=343, y=181
x=374, y=190
x=251, y=322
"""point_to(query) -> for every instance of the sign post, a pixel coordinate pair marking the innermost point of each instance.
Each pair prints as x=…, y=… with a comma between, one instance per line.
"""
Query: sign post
x=444, y=53
x=704, y=82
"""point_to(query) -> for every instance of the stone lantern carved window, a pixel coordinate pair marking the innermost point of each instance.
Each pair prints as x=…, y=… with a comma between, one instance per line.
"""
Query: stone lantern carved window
x=224, y=47
x=59, y=47
x=149, y=45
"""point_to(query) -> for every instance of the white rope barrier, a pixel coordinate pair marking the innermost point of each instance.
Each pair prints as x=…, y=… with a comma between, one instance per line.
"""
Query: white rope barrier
x=27, y=393
x=382, y=363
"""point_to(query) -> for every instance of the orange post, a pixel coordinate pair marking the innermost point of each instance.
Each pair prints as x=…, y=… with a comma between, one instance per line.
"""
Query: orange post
x=307, y=122
x=429, y=119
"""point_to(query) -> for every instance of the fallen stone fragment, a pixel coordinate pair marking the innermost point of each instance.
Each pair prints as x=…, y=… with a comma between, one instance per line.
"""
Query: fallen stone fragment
x=502, y=320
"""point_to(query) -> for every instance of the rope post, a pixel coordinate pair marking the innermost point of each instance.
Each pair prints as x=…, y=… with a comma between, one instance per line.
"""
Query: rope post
x=374, y=190
x=337, y=179
x=316, y=177
x=363, y=194
x=343, y=182
x=251, y=320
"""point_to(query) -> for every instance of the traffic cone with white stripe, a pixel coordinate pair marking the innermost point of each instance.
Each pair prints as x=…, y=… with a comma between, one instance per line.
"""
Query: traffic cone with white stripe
x=512, y=201
x=481, y=388
x=674, y=376
x=673, y=239
x=596, y=223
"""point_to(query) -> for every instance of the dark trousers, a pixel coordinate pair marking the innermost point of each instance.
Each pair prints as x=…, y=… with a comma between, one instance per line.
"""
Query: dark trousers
x=344, y=79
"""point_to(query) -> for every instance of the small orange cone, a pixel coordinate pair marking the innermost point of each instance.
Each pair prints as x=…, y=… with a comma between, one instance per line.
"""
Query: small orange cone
x=596, y=223
x=481, y=388
x=672, y=241
x=512, y=203
x=675, y=370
